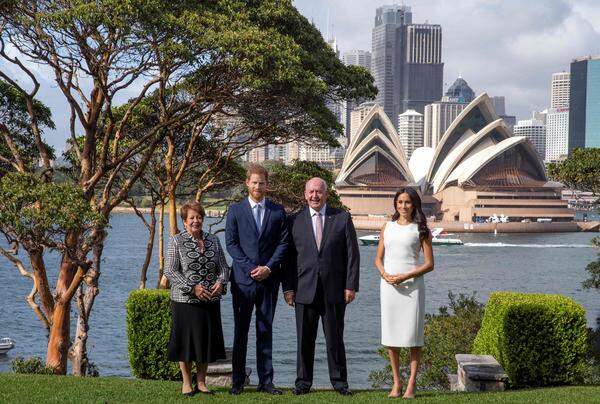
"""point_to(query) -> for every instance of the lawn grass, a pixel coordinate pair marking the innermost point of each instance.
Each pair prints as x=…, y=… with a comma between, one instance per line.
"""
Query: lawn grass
x=66, y=389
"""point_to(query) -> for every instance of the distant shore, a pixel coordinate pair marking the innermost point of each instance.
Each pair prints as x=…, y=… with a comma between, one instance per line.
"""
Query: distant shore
x=375, y=224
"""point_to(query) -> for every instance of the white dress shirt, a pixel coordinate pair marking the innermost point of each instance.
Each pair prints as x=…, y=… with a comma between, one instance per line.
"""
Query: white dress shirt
x=253, y=205
x=314, y=220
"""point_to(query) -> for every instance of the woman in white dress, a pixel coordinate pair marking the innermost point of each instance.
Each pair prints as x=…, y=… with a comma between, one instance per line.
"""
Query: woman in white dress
x=402, y=285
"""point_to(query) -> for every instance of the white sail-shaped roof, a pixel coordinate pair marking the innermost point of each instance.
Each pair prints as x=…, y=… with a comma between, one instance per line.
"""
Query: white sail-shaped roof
x=375, y=136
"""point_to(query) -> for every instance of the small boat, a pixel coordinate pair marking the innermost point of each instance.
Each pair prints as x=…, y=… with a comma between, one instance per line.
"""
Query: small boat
x=371, y=239
x=6, y=344
x=439, y=238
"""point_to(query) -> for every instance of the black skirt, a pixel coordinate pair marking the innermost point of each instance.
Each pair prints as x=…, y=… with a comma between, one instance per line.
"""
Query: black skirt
x=196, y=333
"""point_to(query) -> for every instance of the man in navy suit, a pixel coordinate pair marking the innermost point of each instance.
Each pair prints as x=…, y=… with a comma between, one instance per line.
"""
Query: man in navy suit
x=257, y=238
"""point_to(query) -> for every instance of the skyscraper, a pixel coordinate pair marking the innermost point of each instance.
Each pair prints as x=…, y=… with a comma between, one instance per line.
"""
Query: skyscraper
x=535, y=130
x=557, y=134
x=437, y=118
x=410, y=131
x=460, y=92
x=499, y=104
x=357, y=57
x=406, y=61
x=559, y=93
x=354, y=57
x=584, y=103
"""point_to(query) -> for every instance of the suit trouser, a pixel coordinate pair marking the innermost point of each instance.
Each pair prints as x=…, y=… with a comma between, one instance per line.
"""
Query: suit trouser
x=263, y=298
x=307, y=324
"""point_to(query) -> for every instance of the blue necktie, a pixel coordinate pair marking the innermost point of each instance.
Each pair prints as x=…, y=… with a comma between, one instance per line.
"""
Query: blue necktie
x=256, y=212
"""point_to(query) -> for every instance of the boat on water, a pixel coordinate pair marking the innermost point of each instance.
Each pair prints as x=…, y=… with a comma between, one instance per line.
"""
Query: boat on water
x=6, y=344
x=439, y=238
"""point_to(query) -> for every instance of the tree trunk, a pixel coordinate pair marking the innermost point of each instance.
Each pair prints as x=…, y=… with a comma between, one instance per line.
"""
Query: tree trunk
x=149, y=247
x=85, y=302
x=60, y=330
x=162, y=280
x=173, y=230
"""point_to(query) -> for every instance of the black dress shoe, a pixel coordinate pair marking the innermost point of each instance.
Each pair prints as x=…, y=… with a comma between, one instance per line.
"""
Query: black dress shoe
x=234, y=391
x=298, y=391
x=191, y=393
x=269, y=389
x=344, y=391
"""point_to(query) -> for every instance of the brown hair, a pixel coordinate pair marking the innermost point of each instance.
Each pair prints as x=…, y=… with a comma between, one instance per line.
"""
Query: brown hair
x=191, y=205
x=257, y=169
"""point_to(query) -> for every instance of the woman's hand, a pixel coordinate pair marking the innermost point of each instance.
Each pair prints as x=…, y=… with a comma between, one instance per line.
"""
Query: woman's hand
x=398, y=279
x=388, y=278
x=217, y=290
x=201, y=292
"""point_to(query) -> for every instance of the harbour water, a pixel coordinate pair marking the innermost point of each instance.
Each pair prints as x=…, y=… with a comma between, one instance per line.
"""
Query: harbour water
x=541, y=263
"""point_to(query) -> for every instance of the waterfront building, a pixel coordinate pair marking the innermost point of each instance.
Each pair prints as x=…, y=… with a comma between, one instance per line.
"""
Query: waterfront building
x=560, y=90
x=410, y=131
x=406, y=61
x=437, y=117
x=479, y=168
x=584, y=103
x=557, y=134
x=535, y=130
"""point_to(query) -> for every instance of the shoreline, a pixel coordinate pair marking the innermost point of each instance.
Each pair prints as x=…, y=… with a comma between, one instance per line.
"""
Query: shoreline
x=375, y=224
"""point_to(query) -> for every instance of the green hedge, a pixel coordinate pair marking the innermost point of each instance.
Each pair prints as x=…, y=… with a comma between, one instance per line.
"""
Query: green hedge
x=148, y=330
x=539, y=340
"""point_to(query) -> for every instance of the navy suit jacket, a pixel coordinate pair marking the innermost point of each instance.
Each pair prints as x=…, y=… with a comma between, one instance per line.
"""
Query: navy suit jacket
x=337, y=263
x=250, y=248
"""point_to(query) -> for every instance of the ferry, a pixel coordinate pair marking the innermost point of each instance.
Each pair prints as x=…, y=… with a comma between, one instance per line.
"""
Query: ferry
x=6, y=344
x=439, y=238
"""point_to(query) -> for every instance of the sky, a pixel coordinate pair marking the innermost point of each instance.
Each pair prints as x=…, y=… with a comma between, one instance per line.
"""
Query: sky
x=502, y=47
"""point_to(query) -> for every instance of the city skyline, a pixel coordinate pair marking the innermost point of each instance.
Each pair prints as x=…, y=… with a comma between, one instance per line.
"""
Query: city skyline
x=508, y=48
x=504, y=48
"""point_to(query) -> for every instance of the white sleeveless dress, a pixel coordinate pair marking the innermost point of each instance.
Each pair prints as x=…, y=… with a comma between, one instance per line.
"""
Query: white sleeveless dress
x=403, y=305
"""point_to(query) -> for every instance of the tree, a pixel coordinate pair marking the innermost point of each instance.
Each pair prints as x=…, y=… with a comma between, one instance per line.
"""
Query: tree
x=240, y=59
x=581, y=171
x=286, y=184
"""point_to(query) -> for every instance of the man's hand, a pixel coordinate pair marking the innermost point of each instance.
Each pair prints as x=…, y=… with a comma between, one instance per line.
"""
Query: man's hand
x=349, y=296
x=216, y=290
x=201, y=292
x=260, y=273
x=290, y=297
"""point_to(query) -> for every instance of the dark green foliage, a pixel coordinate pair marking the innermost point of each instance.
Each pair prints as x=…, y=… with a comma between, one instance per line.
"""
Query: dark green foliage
x=593, y=268
x=32, y=365
x=581, y=171
x=539, y=340
x=286, y=183
x=450, y=331
x=148, y=330
x=32, y=210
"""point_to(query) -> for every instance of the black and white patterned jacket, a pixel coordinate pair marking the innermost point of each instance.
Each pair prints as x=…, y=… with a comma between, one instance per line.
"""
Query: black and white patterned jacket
x=186, y=266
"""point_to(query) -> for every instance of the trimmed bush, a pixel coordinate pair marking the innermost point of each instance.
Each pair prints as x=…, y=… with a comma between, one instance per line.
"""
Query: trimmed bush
x=148, y=330
x=539, y=340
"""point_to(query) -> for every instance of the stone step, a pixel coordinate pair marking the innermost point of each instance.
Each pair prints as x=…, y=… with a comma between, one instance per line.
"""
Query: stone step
x=479, y=373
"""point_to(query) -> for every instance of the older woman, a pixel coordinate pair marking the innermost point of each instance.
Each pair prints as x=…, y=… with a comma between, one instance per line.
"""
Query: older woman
x=198, y=273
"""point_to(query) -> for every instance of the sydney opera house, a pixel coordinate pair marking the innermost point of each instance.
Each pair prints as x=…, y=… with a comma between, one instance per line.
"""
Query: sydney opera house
x=478, y=169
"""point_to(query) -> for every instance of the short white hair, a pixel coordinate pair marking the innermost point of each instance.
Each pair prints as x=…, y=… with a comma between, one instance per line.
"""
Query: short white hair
x=321, y=180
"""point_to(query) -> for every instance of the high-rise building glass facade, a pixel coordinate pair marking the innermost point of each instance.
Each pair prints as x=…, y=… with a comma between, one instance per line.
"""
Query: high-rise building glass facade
x=584, y=103
x=406, y=61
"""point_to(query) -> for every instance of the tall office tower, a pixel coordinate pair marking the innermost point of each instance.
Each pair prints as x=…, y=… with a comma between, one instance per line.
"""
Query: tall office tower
x=354, y=57
x=410, y=131
x=387, y=56
x=557, y=134
x=437, y=118
x=357, y=115
x=499, y=104
x=460, y=92
x=584, y=103
x=535, y=130
x=423, y=70
x=357, y=57
x=559, y=94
